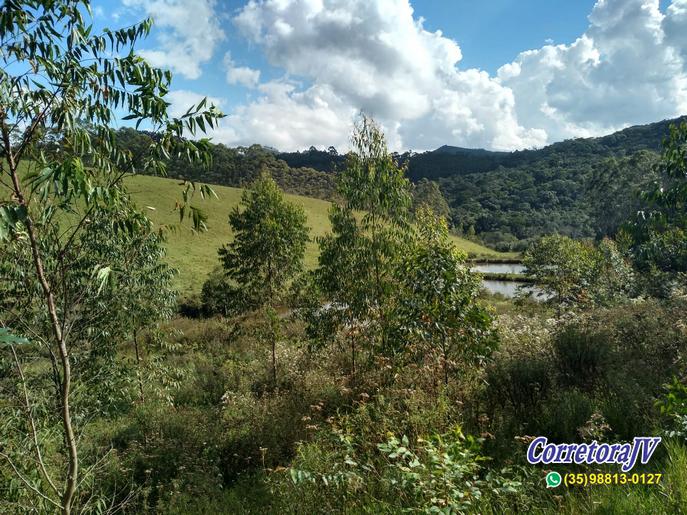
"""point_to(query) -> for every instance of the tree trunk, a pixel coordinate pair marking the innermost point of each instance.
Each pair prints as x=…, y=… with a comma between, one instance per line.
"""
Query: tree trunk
x=70, y=439
x=353, y=358
x=274, y=360
x=138, y=368
x=444, y=351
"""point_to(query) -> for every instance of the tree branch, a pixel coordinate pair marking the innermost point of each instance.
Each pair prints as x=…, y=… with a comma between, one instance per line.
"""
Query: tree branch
x=26, y=481
x=32, y=424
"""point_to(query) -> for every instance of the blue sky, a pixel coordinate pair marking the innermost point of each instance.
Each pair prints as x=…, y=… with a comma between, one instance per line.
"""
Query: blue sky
x=493, y=33
x=500, y=74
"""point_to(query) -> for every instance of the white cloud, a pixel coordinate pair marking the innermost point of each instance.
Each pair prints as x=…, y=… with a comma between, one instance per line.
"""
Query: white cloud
x=243, y=75
x=287, y=118
x=280, y=117
x=376, y=57
x=627, y=68
x=190, y=33
x=180, y=100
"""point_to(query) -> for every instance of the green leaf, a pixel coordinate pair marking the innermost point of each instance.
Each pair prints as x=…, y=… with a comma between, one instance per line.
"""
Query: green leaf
x=7, y=338
x=103, y=276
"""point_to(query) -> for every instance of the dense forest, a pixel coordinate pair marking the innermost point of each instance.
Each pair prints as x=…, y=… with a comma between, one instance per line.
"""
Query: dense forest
x=383, y=379
x=236, y=167
x=510, y=198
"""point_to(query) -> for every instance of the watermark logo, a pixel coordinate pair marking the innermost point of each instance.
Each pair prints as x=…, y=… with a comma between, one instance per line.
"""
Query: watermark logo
x=553, y=479
x=624, y=454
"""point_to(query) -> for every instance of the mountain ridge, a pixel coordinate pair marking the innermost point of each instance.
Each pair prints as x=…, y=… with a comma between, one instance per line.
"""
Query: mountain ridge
x=448, y=159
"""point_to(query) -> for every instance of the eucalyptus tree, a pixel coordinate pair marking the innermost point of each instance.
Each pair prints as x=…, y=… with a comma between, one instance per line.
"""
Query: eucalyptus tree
x=437, y=304
x=62, y=87
x=369, y=231
x=578, y=274
x=270, y=235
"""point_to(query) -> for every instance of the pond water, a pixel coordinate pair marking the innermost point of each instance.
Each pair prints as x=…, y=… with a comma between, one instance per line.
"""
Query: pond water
x=498, y=268
x=510, y=288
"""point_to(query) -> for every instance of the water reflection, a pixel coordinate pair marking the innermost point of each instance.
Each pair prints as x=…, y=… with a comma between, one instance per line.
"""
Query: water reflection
x=499, y=268
x=511, y=288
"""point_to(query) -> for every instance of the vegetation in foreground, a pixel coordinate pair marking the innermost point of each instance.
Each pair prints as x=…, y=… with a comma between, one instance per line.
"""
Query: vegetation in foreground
x=380, y=380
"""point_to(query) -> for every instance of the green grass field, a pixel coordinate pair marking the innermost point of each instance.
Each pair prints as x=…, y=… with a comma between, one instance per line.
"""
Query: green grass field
x=195, y=255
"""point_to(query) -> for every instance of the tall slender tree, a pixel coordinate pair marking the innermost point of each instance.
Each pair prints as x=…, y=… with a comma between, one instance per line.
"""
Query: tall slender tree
x=270, y=235
x=62, y=85
x=437, y=302
x=369, y=230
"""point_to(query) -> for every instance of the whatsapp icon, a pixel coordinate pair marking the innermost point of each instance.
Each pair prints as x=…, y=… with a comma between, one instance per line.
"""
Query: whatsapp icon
x=553, y=479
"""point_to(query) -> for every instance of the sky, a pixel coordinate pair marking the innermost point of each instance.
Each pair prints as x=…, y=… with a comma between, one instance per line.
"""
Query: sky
x=494, y=74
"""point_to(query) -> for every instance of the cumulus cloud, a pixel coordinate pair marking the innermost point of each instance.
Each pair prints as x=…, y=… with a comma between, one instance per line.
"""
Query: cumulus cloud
x=287, y=117
x=376, y=57
x=343, y=56
x=627, y=68
x=190, y=33
x=242, y=75
x=180, y=100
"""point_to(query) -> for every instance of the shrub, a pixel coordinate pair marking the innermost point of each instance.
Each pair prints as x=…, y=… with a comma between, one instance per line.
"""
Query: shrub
x=521, y=382
x=582, y=356
x=441, y=473
x=219, y=296
x=564, y=414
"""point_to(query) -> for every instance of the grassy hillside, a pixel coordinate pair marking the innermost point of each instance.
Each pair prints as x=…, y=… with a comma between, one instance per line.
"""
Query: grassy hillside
x=195, y=255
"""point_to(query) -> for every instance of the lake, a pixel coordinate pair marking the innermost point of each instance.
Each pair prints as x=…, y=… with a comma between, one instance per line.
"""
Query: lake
x=510, y=288
x=504, y=287
x=498, y=268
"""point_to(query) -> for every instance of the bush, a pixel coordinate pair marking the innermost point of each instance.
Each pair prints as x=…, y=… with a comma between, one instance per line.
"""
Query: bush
x=440, y=473
x=219, y=296
x=522, y=382
x=582, y=357
x=563, y=415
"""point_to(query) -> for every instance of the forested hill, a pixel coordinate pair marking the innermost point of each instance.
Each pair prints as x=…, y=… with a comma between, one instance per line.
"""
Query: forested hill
x=450, y=160
x=582, y=187
x=240, y=166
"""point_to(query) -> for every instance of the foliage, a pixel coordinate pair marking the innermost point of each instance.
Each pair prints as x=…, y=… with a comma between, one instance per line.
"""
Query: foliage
x=583, y=357
x=440, y=473
x=553, y=379
x=238, y=167
x=584, y=187
x=269, y=243
x=659, y=247
x=427, y=193
x=436, y=303
x=270, y=236
x=196, y=257
x=578, y=188
x=578, y=273
x=61, y=86
x=356, y=273
x=219, y=296
x=673, y=405
x=667, y=498
x=105, y=407
x=614, y=190
x=112, y=285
